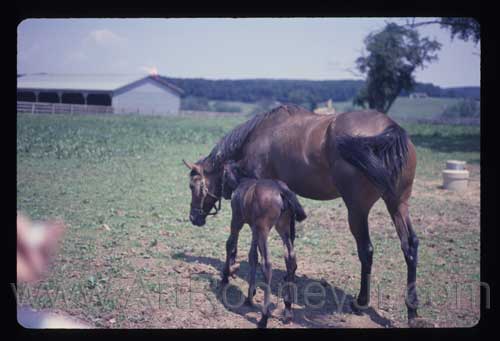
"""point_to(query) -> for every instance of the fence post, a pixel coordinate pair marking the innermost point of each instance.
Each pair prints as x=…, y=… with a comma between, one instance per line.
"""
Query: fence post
x=33, y=108
x=71, y=109
x=53, y=108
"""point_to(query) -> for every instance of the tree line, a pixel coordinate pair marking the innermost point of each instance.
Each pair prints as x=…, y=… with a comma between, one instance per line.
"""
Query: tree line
x=296, y=91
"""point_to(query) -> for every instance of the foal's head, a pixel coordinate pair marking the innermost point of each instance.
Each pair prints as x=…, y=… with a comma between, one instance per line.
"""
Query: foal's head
x=205, y=184
x=231, y=178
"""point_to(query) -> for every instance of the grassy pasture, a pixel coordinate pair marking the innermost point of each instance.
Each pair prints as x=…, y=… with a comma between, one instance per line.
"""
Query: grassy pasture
x=404, y=107
x=131, y=259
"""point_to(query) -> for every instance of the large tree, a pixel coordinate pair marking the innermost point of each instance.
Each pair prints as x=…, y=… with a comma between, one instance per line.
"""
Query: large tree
x=464, y=28
x=392, y=56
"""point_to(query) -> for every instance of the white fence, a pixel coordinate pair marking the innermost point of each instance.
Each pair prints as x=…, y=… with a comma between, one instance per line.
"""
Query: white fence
x=62, y=108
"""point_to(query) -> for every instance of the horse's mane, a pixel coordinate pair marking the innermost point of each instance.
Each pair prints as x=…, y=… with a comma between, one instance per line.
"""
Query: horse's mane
x=229, y=147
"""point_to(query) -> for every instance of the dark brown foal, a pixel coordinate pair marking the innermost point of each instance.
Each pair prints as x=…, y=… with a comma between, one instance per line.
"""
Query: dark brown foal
x=261, y=204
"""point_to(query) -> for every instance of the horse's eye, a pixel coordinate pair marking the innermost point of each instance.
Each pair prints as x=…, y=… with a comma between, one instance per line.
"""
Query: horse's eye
x=191, y=186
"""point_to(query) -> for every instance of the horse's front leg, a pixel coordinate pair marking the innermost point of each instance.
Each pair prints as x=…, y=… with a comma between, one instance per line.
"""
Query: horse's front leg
x=231, y=250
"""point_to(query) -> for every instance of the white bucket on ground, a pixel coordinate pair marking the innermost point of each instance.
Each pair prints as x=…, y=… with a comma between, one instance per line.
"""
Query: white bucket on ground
x=455, y=164
x=455, y=180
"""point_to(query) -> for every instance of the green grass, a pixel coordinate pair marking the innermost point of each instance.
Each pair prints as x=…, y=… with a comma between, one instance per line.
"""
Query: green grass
x=126, y=172
x=405, y=108
x=438, y=143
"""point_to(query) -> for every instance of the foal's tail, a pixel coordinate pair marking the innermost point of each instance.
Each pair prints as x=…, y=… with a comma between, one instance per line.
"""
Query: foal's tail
x=381, y=157
x=293, y=203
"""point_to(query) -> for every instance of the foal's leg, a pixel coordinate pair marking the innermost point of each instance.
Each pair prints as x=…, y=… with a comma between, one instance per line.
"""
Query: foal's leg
x=252, y=260
x=283, y=228
x=409, y=244
x=232, y=249
x=267, y=271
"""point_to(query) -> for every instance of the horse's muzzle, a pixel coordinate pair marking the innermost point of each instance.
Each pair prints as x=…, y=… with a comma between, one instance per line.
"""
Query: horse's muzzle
x=197, y=219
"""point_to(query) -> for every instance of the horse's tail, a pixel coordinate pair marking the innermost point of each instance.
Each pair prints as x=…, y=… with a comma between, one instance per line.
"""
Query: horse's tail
x=293, y=203
x=380, y=158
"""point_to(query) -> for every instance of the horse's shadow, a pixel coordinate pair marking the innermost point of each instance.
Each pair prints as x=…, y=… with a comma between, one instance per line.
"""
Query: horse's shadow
x=308, y=312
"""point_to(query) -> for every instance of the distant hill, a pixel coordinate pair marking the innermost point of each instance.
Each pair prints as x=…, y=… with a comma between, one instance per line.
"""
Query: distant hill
x=253, y=90
x=466, y=91
x=303, y=92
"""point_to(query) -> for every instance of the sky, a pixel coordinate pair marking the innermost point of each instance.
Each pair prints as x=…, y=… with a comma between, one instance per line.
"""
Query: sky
x=219, y=48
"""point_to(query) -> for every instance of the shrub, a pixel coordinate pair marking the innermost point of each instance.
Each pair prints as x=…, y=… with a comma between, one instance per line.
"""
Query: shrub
x=464, y=108
x=225, y=107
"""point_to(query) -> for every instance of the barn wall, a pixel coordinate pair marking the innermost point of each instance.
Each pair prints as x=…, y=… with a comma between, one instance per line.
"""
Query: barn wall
x=149, y=98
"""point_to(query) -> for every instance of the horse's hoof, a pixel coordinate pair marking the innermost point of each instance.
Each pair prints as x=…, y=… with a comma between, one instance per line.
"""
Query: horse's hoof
x=356, y=309
x=412, y=313
x=262, y=323
x=224, y=281
x=419, y=322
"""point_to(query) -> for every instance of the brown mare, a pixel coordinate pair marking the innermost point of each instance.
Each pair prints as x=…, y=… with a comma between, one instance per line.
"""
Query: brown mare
x=261, y=204
x=360, y=156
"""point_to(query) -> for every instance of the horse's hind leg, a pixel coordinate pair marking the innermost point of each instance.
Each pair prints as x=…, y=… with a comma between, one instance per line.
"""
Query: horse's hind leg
x=290, y=292
x=409, y=244
x=252, y=260
x=359, y=196
x=358, y=223
x=232, y=249
x=267, y=271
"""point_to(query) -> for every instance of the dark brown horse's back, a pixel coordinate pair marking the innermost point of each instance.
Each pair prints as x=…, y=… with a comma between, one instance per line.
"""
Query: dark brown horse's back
x=363, y=123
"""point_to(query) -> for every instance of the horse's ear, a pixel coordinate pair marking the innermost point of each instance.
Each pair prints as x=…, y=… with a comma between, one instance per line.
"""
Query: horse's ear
x=188, y=165
x=195, y=169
